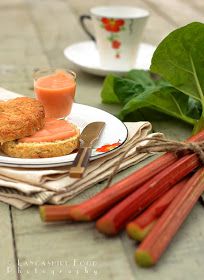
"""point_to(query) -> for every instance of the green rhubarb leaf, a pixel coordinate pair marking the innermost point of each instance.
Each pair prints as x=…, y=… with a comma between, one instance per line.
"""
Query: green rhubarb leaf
x=179, y=59
x=165, y=100
x=141, y=77
x=127, y=89
x=107, y=94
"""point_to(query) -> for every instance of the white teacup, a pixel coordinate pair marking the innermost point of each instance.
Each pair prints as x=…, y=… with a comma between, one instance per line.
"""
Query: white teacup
x=118, y=32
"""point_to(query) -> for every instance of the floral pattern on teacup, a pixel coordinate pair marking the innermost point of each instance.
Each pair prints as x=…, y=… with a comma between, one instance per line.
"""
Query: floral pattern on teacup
x=114, y=27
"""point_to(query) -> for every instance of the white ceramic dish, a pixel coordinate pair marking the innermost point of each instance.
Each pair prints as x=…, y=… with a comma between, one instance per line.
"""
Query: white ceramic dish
x=86, y=57
x=114, y=132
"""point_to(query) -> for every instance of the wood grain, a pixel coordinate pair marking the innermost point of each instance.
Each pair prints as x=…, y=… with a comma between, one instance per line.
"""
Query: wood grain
x=7, y=250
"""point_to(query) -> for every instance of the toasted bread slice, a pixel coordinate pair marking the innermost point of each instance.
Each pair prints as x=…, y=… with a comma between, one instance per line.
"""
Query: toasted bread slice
x=43, y=149
x=20, y=117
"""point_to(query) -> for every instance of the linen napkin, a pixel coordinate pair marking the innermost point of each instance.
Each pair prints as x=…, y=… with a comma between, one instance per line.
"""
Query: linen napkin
x=22, y=187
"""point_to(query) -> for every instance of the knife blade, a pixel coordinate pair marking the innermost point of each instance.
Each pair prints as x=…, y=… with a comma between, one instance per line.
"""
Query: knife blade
x=88, y=138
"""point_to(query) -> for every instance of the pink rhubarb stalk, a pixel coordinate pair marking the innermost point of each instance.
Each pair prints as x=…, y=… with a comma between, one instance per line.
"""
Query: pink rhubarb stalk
x=154, y=245
x=139, y=228
x=96, y=206
x=122, y=213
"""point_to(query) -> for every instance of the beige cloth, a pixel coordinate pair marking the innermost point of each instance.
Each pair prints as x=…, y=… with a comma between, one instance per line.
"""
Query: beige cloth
x=23, y=187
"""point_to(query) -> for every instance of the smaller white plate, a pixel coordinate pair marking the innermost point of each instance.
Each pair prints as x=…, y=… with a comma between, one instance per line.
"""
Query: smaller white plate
x=86, y=57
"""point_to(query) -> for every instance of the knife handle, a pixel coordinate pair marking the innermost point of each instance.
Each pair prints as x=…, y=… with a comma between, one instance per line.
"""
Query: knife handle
x=80, y=163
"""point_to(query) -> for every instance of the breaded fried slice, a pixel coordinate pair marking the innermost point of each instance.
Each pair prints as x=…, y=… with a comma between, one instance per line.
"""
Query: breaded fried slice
x=42, y=149
x=20, y=117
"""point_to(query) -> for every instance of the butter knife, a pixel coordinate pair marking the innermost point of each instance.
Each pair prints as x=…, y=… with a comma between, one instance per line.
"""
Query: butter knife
x=88, y=138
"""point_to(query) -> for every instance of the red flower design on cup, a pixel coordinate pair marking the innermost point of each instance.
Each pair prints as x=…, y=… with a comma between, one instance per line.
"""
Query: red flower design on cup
x=116, y=44
x=112, y=25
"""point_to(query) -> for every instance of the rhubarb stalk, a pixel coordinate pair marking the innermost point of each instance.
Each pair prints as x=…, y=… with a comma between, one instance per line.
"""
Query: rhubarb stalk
x=142, y=225
x=151, y=249
x=55, y=213
x=116, y=218
x=96, y=206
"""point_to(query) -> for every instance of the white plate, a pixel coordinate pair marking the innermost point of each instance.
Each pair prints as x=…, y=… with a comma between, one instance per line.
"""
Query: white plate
x=86, y=57
x=114, y=132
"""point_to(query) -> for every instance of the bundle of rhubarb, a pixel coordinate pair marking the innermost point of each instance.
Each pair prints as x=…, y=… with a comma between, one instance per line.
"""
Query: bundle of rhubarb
x=151, y=203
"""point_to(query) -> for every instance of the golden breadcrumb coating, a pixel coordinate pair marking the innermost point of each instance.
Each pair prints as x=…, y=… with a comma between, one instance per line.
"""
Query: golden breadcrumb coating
x=20, y=117
x=42, y=149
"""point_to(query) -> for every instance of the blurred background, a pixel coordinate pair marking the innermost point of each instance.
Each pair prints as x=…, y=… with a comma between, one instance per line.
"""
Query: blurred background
x=34, y=33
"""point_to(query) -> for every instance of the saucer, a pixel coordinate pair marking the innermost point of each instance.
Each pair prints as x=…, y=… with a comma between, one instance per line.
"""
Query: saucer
x=86, y=57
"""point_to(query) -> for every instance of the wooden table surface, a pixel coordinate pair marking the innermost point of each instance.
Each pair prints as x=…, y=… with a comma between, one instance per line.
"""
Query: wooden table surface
x=34, y=34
